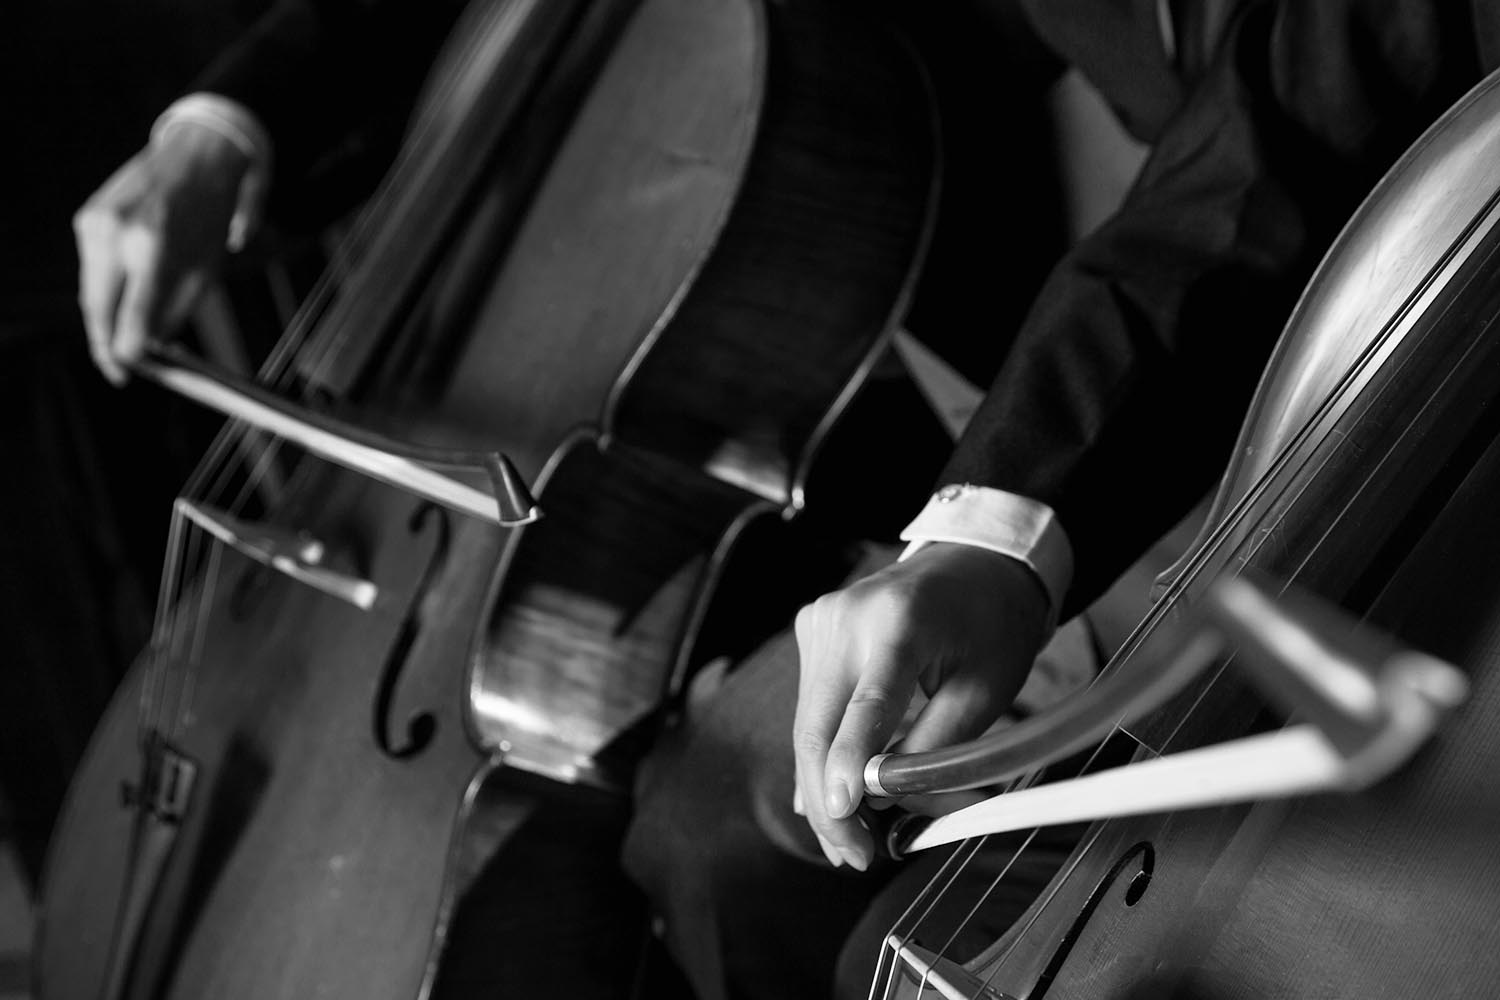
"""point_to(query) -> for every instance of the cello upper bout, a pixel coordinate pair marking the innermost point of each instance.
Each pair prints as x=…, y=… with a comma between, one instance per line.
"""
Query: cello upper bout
x=1392, y=257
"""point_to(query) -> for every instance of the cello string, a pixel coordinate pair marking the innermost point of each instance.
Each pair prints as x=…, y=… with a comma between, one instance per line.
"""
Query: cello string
x=161, y=625
x=1047, y=899
x=283, y=365
x=183, y=664
x=942, y=952
x=439, y=93
x=1216, y=542
x=1055, y=885
x=215, y=473
x=1058, y=882
x=292, y=356
x=910, y=918
x=205, y=602
x=952, y=868
x=973, y=912
x=178, y=628
x=1456, y=362
x=1245, y=553
x=281, y=368
x=1119, y=661
x=1125, y=655
x=405, y=175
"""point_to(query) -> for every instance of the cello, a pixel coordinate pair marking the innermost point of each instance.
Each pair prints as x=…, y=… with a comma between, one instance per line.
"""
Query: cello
x=633, y=262
x=1366, y=472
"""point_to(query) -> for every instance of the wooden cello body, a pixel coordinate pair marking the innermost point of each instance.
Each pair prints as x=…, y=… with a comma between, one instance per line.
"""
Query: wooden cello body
x=629, y=315
x=1368, y=471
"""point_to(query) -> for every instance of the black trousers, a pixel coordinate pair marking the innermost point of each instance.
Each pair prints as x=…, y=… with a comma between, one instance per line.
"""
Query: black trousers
x=746, y=903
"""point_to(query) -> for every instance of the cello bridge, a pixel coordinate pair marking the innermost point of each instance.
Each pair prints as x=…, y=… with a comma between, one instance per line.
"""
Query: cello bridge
x=166, y=783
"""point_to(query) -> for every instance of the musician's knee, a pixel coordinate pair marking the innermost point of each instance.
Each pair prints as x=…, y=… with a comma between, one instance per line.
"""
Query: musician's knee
x=713, y=798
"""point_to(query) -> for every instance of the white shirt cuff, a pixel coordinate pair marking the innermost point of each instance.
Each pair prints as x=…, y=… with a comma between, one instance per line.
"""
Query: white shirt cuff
x=238, y=124
x=1024, y=529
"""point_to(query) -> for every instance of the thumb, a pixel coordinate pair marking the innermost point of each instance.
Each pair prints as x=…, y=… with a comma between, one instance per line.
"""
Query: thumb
x=248, y=206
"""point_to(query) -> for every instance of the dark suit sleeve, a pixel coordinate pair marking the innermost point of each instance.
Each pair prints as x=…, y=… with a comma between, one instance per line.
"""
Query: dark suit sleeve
x=1120, y=401
x=319, y=73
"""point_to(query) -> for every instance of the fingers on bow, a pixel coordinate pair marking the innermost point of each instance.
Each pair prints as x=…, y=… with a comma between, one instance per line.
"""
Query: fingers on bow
x=850, y=699
x=124, y=280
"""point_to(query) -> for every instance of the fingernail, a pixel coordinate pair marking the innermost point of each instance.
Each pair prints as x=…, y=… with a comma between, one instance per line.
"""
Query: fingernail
x=856, y=859
x=838, y=799
x=797, y=806
x=833, y=856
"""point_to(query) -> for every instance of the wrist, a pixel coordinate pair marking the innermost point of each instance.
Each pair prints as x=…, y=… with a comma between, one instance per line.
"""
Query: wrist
x=194, y=147
x=998, y=576
x=1006, y=524
x=223, y=136
x=229, y=120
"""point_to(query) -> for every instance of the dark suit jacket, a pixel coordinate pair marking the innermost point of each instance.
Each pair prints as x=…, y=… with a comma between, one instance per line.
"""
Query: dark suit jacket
x=1119, y=403
x=1120, y=399
x=332, y=81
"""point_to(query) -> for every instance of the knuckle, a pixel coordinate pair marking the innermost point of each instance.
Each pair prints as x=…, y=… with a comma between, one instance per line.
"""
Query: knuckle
x=802, y=624
x=846, y=755
x=830, y=605
x=140, y=242
x=92, y=222
x=872, y=699
x=891, y=603
x=823, y=614
x=808, y=742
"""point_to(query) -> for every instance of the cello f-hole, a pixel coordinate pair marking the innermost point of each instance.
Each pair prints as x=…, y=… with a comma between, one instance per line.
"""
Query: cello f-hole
x=1144, y=856
x=421, y=727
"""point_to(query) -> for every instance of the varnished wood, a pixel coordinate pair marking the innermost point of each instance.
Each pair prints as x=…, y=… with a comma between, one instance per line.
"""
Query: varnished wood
x=1386, y=894
x=594, y=603
x=742, y=379
x=282, y=834
x=748, y=358
x=343, y=755
x=632, y=202
x=1381, y=499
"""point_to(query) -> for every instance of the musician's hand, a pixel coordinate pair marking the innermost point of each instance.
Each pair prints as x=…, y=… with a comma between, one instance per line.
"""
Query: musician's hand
x=150, y=236
x=963, y=622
